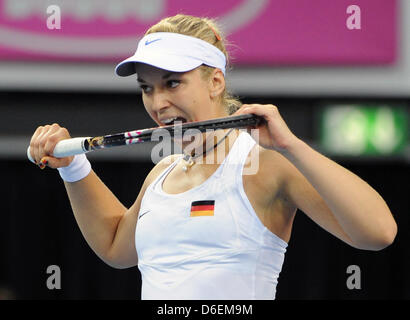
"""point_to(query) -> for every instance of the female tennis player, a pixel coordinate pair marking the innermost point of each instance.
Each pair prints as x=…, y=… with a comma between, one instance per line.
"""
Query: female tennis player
x=204, y=229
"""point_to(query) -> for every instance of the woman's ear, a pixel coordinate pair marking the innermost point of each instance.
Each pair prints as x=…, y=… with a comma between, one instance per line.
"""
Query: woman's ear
x=217, y=83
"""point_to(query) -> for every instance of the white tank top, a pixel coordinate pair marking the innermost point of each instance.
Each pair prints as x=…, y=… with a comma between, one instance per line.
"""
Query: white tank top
x=207, y=242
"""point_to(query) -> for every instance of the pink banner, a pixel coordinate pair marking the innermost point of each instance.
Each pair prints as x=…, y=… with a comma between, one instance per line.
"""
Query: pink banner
x=262, y=31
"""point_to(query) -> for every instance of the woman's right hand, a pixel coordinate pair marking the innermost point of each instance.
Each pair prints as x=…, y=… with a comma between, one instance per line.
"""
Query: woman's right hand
x=43, y=142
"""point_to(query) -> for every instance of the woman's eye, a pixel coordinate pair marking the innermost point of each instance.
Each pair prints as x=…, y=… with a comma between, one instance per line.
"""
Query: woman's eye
x=173, y=83
x=145, y=88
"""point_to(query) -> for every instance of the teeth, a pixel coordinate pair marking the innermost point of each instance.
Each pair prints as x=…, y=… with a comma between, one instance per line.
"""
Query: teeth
x=171, y=120
x=166, y=121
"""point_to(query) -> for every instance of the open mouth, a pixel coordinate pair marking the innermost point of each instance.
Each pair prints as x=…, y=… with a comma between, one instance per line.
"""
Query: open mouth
x=174, y=120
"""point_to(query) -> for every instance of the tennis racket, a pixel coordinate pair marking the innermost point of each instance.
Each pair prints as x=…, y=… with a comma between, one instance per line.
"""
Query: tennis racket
x=71, y=147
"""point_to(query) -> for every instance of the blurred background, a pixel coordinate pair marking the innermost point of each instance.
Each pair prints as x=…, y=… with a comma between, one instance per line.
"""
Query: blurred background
x=339, y=73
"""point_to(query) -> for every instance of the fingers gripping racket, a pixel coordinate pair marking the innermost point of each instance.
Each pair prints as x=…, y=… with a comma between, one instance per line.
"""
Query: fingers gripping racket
x=70, y=147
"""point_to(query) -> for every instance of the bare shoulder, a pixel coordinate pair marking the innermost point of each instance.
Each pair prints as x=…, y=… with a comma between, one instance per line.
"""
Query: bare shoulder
x=274, y=169
x=287, y=174
x=268, y=181
x=266, y=192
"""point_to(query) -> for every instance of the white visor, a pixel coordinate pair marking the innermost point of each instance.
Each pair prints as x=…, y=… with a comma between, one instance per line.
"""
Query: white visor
x=173, y=52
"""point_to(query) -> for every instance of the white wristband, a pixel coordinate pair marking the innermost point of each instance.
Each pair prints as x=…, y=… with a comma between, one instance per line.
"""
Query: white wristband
x=78, y=169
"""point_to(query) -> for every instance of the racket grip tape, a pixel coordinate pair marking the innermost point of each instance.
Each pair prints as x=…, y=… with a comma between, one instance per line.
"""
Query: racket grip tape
x=66, y=148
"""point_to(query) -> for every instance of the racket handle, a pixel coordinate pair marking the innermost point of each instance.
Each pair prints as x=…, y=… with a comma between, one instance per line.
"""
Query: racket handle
x=66, y=148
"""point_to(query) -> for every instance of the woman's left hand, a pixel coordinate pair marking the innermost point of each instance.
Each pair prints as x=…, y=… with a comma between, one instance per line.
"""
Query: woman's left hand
x=273, y=134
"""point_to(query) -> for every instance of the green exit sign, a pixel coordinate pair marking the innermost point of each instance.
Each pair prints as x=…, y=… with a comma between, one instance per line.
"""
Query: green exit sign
x=363, y=129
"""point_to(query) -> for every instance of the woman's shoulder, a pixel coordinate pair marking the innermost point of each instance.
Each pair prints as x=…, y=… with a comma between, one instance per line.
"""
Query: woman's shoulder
x=273, y=169
x=271, y=159
x=266, y=187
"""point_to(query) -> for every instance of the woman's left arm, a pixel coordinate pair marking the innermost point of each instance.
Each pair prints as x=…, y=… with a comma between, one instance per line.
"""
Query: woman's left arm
x=356, y=207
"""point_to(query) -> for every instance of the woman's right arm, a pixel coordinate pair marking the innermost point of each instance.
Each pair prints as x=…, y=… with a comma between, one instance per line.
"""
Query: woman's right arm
x=105, y=223
x=98, y=213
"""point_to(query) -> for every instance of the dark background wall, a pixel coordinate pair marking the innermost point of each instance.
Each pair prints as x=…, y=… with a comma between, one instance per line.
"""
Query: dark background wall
x=37, y=227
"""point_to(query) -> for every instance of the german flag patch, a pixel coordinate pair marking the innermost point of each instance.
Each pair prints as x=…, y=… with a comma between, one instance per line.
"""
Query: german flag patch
x=202, y=208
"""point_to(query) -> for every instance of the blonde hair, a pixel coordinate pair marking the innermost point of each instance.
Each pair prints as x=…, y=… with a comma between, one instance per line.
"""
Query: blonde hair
x=205, y=29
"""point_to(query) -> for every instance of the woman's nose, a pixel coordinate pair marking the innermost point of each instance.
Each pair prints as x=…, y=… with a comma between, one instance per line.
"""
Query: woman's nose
x=160, y=101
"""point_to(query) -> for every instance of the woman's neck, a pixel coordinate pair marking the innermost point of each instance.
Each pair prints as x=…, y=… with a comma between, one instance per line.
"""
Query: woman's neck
x=215, y=147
